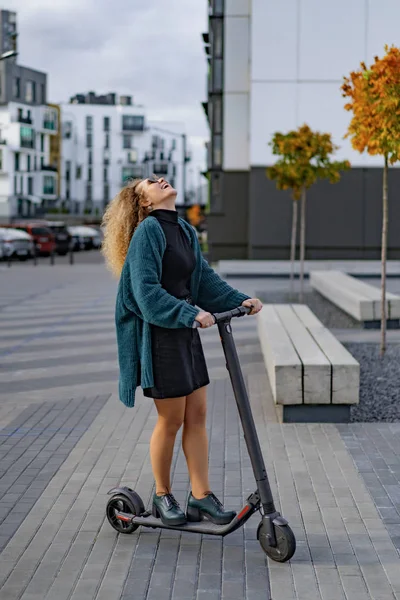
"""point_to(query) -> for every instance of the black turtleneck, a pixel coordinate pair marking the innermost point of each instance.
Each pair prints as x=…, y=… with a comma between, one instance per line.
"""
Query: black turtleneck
x=179, y=260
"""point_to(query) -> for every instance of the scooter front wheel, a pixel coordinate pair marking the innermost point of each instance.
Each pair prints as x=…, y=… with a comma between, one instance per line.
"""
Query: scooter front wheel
x=285, y=542
x=121, y=503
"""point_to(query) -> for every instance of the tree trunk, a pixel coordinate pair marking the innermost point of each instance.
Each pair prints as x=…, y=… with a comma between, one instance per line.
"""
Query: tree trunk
x=385, y=221
x=302, y=241
x=293, y=246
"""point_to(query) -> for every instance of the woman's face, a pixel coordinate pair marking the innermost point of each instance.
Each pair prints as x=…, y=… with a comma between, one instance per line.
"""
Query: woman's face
x=157, y=192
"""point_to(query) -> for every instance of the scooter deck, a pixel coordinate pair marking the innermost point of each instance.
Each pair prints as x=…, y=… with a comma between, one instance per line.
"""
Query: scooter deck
x=203, y=526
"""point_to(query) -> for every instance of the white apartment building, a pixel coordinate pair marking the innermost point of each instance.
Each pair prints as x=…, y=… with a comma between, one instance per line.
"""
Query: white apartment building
x=28, y=134
x=28, y=181
x=106, y=141
x=273, y=66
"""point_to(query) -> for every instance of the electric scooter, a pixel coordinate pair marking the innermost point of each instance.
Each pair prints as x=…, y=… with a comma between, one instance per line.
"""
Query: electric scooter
x=125, y=509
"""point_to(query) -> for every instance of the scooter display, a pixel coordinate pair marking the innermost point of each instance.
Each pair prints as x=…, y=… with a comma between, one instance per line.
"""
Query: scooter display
x=125, y=509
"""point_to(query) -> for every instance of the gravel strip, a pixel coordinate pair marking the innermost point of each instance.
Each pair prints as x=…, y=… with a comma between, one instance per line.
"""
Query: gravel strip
x=330, y=315
x=380, y=383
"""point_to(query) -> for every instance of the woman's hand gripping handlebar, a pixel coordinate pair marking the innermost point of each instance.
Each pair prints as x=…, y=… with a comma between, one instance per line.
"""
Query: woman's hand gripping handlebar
x=212, y=319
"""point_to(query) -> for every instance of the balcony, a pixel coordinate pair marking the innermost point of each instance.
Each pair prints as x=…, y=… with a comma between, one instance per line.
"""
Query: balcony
x=48, y=168
x=132, y=123
x=50, y=125
x=26, y=120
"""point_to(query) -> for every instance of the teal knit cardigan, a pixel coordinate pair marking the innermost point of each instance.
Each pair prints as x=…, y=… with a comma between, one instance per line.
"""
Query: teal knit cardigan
x=142, y=301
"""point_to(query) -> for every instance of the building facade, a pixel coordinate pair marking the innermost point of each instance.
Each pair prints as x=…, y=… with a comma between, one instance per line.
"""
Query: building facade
x=28, y=178
x=272, y=67
x=107, y=141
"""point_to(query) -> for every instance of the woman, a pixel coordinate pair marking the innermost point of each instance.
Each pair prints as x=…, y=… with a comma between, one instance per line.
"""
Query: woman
x=163, y=276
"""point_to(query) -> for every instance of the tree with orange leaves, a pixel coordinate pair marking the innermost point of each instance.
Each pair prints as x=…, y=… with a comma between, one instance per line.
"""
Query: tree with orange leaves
x=374, y=99
x=305, y=157
x=194, y=215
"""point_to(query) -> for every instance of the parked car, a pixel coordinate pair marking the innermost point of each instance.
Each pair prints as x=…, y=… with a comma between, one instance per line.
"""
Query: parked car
x=84, y=238
x=15, y=244
x=62, y=236
x=43, y=237
x=80, y=241
x=95, y=236
x=60, y=233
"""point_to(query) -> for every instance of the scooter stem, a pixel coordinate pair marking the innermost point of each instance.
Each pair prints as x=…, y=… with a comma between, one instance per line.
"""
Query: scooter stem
x=246, y=416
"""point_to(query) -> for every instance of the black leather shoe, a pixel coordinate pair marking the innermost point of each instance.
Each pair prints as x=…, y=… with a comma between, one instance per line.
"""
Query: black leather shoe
x=209, y=507
x=167, y=509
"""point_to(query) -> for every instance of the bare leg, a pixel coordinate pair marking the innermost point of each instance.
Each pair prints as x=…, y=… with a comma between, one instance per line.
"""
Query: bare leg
x=171, y=412
x=195, y=442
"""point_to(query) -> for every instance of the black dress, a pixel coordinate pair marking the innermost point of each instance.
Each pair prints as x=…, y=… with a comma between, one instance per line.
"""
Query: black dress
x=179, y=366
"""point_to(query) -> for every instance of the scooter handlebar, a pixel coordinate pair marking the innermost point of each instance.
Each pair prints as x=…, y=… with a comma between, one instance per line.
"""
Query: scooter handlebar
x=240, y=311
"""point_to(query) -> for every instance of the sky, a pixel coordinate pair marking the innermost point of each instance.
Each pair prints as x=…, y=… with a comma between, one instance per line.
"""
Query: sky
x=150, y=49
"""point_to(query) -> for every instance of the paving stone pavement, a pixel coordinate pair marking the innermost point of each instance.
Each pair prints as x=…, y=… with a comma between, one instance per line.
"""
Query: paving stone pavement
x=58, y=403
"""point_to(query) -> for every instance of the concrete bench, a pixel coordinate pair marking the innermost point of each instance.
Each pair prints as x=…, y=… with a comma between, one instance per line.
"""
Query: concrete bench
x=313, y=377
x=357, y=298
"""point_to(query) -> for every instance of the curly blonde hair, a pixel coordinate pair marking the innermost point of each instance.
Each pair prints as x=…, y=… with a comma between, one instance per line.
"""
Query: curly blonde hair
x=120, y=219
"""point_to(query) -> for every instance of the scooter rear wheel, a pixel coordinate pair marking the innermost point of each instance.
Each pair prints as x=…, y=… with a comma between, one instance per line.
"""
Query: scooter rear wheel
x=285, y=542
x=122, y=503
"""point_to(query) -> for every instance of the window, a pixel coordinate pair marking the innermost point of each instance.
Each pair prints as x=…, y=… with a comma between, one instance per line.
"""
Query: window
x=133, y=156
x=15, y=185
x=68, y=170
x=160, y=168
x=107, y=140
x=27, y=136
x=217, y=75
x=89, y=174
x=132, y=123
x=41, y=163
x=17, y=87
x=105, y=174
x=106, y=124
x=42, y=142
x=50, y=120
x=127, y=141
x=90, y=157
x=131, y=173
x=43, y=93
x=89, y=123
x=89, y=192
x=34, y=163
x=16, y=161
x=49, y=186
x=28, y=162
x=106, y=192
x=30, y=186
x=67, y=130
x=217, y=45
x=40, y=231
x=89, y=140
x=78, y=172
x=218, y=7
x=217, y=111
x=217, y=151
x=216, y=192
x=21, y=185
x=30, y=91
x=1, y=159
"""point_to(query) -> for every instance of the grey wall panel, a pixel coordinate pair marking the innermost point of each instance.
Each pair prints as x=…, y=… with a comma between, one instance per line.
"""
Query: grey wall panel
x=373, y=208
x=334, y=212
x=270, y=215
x=228, y=230
x=344, y=220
